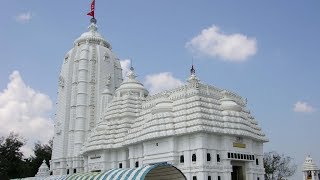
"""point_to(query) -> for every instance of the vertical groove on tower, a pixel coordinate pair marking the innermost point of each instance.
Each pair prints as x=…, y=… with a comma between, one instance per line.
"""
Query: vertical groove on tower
x=81, y=99
x=93, y=85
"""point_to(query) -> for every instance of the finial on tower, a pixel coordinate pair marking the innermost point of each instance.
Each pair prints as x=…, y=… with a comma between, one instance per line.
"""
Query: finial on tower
x=131, y=65
x=193, y=78
x=93, y=20
x=192, y=70
x=131, y=74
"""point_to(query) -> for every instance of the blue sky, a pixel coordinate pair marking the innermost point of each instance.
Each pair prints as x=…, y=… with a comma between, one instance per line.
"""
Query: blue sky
x=281, y=71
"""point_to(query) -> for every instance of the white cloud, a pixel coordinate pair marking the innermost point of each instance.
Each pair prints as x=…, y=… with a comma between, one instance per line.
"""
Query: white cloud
x=25, y=111
x=303, y=107
x=229, y=47
x=24, y=17
x=125, y=65
x=161, y=81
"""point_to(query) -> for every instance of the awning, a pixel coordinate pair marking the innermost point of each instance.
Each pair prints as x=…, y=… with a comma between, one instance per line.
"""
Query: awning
x=149, y=172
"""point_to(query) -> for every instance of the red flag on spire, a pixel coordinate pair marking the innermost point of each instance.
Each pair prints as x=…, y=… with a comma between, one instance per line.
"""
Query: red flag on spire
x=91, y=13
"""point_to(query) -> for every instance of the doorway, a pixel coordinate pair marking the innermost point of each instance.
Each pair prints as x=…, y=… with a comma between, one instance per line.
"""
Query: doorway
x=237, y=173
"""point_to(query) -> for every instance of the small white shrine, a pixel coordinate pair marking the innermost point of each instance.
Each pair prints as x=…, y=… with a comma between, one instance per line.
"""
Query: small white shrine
x=43, y=171
x=310, y=170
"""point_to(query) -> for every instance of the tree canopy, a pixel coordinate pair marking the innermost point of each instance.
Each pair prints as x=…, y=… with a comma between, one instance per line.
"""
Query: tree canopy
x=278, y=166
x=12, y=164
x=41, y=152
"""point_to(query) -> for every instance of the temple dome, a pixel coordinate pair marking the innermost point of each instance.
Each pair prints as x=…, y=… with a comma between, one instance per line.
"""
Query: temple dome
x=131, y=85
x=309, y=165
x=228, y=104
x=163, y=105
x=92, y=36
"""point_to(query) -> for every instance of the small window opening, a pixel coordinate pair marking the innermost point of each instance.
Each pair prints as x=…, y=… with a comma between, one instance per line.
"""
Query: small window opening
x=194, y=157
x=229, y=155
x=120, y=165
x=218, y=157
x=257, y=161
x=219, y=178
x=181, y=159
x=209, y=177
x=67, y=171
x=194, y=177
x=74, y=170
x=137, y=163
x=208, y=157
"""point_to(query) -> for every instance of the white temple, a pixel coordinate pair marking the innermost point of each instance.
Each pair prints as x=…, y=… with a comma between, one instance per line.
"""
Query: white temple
x=310, y=170
x=103, y=122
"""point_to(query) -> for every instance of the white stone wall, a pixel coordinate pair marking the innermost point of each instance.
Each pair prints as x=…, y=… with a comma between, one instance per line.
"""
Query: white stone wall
x=171, y=148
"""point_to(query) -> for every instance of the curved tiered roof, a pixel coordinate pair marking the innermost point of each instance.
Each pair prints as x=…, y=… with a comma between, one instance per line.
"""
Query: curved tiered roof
x=119, y=116
x=309, y=165
x=193, y=107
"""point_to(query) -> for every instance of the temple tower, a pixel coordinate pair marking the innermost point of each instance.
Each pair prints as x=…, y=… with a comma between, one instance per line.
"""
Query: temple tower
x=310, y=170
x=89, y=75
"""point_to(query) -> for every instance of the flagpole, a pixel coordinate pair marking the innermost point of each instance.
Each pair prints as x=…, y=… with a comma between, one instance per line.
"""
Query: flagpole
x=91, y=13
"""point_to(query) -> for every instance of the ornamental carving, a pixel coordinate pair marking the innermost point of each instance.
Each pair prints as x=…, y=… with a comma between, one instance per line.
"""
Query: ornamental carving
x=58, y=128
x=106, y=57
x=61, y=81
x=108, y=79
x=95, y=166
x=66, y=58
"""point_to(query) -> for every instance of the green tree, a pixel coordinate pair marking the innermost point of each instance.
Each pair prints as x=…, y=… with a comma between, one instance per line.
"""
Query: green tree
x=278, y=166
x=41, y=152
x=11, y=162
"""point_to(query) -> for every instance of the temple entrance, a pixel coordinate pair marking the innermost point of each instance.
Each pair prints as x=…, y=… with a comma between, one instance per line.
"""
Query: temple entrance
x=238, y=170
x=237, y=173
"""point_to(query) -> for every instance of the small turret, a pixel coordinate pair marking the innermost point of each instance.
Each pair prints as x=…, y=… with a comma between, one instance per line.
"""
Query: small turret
x=131, y=86
x=310, y=170
x=43, y=170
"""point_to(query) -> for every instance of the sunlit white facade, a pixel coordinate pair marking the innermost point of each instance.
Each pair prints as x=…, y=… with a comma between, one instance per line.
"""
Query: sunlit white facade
x=103, y=122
